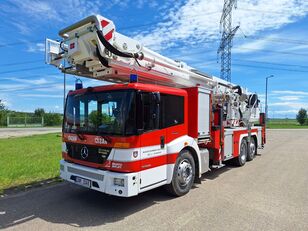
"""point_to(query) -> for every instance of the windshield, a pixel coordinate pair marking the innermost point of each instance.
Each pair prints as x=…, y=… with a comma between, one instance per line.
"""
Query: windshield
x=99, y=113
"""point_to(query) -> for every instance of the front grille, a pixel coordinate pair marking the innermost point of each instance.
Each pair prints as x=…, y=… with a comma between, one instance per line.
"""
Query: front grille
x=88, y=153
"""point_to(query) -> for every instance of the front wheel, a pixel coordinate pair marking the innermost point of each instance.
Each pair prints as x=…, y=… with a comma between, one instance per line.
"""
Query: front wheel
x=183, y=174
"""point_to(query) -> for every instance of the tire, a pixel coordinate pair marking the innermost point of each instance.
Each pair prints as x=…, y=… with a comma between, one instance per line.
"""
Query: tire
x=242, y=157
x=252, y=150
x=183, y=174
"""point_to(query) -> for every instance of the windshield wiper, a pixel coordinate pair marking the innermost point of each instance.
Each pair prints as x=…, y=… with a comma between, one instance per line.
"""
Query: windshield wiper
x=80, y=136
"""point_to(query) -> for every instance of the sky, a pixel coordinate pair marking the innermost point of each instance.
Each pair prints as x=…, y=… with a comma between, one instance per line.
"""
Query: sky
x=272, y=40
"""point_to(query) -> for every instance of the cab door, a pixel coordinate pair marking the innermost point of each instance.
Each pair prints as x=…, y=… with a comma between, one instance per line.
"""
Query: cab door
x=152, y=140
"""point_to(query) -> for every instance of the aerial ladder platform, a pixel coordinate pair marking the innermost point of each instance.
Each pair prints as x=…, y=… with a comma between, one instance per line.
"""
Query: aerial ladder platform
x=92, y=48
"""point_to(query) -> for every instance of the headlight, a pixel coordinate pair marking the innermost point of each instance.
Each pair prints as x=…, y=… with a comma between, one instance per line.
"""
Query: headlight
x=118, y=182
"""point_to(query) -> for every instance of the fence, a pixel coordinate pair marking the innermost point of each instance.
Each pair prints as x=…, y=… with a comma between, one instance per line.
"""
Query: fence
x=25, y=121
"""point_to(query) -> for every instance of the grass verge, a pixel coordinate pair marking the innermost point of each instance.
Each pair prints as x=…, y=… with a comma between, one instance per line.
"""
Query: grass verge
x=29, y=159
x=284, y=123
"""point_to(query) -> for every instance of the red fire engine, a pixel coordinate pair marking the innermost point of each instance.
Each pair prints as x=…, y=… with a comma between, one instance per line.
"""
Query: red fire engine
x=160, y=122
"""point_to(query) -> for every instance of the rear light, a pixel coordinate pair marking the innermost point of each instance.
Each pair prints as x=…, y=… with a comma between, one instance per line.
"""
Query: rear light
x=72, y=45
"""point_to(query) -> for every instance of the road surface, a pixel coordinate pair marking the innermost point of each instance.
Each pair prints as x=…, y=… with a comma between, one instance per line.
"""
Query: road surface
x=18, y=132
x=269, y=193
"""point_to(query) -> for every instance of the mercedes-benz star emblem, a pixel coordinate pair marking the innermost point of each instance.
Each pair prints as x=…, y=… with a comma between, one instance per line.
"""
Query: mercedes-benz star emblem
x=84, y=152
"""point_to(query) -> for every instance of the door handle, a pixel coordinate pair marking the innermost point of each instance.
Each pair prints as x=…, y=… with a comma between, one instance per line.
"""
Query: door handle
x=162, y=142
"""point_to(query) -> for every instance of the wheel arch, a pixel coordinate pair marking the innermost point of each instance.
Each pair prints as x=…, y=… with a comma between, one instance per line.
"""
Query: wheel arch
x=245, y=136
x=196, y=159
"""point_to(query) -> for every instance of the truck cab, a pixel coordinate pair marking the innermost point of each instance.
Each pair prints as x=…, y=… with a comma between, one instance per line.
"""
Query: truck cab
x=131, y=134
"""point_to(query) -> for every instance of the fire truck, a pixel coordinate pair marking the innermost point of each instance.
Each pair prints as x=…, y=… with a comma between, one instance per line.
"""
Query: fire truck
x=159, y=123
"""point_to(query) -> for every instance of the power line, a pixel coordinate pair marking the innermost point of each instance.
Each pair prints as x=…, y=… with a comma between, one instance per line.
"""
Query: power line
x=22, y=63
x=277, y=40
x=262, y=11
x=271, y=63
x=56, y=75
x=42, y=86
x=199, y=52
x=270, y=68
x=25, y=69
x=271, y=51
x=19, y=43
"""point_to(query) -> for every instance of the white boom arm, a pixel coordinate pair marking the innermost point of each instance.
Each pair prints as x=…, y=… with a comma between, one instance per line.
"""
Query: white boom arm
x=92, y=48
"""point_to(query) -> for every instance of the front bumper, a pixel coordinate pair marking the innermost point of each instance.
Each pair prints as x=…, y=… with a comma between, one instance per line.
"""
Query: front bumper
x=101, y=180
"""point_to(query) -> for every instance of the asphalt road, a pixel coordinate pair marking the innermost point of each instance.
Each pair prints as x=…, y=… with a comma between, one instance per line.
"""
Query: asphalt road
x=269, y=193
x=18, y=132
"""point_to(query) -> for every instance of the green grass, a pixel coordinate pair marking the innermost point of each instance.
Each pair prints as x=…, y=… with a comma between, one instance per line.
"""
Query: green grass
x=29, y=159
x=284, y=123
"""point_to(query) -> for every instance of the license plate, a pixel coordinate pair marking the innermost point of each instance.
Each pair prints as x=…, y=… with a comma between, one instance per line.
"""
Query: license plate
x=83, y=182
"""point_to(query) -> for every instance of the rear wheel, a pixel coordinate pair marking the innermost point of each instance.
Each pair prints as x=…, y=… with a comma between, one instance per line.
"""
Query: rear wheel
x=252, y=149
x=242, y=157
x=183, y=174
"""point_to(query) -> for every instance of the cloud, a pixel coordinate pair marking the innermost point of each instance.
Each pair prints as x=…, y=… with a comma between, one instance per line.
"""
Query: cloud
x=284, y=112
x=58, y=11
x=290, y=104
x=255, y=45
x=198, y=21
x=40, y=95
x=38, y=9
x=38, y=47
x=29, y=16
x=23, y=28
x=287, y=102
x=288, y=92
x=39, y=81
x=289, y=98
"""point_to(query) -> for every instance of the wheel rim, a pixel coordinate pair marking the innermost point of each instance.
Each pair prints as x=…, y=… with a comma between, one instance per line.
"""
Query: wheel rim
x=184, y=174
x=243, y=152
x=252, y=148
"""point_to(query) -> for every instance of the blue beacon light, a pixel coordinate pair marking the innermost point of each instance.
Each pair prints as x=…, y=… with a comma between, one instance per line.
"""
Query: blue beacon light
x=78, y=84
x=133, y=78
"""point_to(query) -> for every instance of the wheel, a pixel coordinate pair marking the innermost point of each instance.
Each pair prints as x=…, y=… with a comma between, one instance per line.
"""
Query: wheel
x=242, y=157
x=252, y=149
x=183, y=174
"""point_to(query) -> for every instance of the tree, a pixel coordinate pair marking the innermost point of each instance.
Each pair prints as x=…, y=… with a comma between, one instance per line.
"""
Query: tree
x=52, y=119
x=2, y=106
x=3, y=113
x=39, y=112
x=301, y=116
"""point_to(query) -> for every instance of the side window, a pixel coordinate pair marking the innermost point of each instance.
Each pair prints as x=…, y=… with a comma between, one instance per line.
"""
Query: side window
x=148, y=122
x=148, y=115
x=172, y=112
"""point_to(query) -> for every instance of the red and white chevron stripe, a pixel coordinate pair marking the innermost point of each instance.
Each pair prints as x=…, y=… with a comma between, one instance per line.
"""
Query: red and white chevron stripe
x=108, y=29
